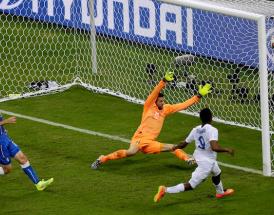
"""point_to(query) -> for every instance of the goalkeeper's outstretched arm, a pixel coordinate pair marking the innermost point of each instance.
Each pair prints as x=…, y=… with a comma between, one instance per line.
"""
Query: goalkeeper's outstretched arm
x=151, y=99
x=203, y=91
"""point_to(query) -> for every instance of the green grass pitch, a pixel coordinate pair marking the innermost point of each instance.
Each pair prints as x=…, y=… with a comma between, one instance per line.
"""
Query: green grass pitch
x=125, y=186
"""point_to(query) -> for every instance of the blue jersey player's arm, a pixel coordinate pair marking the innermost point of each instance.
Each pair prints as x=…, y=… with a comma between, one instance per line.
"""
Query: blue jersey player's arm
x=9, y=120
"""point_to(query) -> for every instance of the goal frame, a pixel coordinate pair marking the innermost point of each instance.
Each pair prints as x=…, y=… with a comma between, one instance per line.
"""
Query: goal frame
x=263, y=72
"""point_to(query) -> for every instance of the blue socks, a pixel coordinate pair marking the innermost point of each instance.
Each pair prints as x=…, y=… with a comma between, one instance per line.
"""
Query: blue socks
x=27, y=168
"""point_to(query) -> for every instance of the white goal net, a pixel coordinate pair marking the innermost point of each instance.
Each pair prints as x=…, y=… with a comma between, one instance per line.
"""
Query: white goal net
x=48, y=46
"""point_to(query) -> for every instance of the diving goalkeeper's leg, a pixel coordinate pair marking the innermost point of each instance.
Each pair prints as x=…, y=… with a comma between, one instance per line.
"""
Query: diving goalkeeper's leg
x=179, y=153
x=122, y=153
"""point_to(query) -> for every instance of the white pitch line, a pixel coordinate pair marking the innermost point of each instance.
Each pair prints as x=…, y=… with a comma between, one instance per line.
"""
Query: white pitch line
x=44, y=121
x=112, y=137
x=241, y=168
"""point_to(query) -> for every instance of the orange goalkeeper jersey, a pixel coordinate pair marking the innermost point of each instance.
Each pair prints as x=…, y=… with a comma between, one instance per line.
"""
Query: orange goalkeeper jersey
x=153, y=118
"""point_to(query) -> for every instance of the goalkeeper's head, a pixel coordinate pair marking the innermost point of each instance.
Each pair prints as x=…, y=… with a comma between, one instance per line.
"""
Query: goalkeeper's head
x=206, y=116
x=160, y=101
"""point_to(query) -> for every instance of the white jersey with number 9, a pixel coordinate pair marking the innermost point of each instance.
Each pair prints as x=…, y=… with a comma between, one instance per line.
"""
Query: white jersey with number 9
x=202, y=137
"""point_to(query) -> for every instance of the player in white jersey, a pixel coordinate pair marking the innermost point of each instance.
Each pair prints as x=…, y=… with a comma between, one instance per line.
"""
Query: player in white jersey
x=205, y=154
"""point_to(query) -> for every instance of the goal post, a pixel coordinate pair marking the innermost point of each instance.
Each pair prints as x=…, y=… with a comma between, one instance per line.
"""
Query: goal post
x=266, y=150
x=93, y=36
x=123, y=48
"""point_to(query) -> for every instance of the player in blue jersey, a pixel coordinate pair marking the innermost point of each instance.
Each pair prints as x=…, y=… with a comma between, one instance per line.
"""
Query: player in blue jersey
x=8, y=150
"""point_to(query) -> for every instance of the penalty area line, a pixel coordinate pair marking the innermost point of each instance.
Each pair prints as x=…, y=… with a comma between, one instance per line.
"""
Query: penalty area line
x=108, y=136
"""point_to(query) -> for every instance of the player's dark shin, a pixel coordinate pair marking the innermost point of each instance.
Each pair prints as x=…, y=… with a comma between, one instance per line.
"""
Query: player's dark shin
x=218, y=183
x=216, y=179
x=188, y=187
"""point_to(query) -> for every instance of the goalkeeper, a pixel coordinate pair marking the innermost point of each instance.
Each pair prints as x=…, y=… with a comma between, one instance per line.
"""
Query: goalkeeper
x=154, y=113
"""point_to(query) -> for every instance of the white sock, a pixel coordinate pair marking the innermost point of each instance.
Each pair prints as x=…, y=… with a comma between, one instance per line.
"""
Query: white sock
x=23, y=166
x=176, y=189
x=2, y=171
x=219, y=187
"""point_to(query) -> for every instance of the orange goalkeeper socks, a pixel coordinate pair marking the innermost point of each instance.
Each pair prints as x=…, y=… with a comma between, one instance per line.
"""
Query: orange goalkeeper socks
x=114, y=156
x=180, y=154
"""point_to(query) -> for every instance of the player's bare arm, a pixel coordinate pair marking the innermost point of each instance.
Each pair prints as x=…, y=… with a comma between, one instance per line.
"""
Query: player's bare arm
x=182, y=145
x=217, y=148
x=10, y=120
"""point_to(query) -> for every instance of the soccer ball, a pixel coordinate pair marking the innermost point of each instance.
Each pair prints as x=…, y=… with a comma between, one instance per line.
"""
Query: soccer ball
x=185, y=60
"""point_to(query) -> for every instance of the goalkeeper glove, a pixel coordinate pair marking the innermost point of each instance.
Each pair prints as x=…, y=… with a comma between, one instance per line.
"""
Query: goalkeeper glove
x=204, y=90
x=169, y=76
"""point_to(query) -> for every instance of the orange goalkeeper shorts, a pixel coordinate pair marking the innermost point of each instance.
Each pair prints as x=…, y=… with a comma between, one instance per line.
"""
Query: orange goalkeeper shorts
x=148, y=146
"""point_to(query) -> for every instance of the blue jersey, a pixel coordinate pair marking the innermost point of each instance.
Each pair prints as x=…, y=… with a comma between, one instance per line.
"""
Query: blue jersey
x=8, y=148
x=2, y=129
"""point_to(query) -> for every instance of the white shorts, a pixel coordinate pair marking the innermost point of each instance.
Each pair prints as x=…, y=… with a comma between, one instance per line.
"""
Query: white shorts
x=204, y=169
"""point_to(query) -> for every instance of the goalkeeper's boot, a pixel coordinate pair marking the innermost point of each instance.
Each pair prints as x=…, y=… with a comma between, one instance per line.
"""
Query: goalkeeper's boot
x=190, y=161
x=41, y=185
x=97, y=163
x=160, y=194
x=227, y=192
